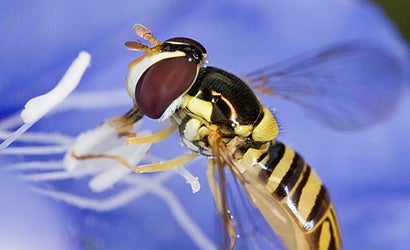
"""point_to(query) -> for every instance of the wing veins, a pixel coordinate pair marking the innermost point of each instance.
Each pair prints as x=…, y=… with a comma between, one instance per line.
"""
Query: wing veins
x=346, y=86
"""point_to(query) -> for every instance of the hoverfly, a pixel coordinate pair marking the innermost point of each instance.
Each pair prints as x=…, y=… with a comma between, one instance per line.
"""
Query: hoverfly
x=219, y=115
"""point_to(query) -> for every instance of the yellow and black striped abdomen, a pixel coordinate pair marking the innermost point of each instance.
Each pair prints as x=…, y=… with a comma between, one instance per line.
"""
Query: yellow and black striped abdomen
x=296, y=186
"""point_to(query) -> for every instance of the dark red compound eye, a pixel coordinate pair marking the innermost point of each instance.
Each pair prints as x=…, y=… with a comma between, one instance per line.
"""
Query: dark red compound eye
x=162, y=83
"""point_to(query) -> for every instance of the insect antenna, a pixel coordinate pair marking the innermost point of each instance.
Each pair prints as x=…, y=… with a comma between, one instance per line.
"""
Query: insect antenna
x=145, y=33
x=138, y=46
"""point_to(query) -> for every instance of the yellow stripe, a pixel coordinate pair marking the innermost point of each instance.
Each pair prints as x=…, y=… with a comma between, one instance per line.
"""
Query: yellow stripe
x=280, y=170
x=325, y=236
x=249, y=160
x=335, y=226
x=199, y=107
x=309, y=195
x=267, y=129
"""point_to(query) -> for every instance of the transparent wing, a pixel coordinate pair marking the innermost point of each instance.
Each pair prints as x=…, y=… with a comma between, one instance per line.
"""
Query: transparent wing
x=243, y=225
x=254, y=232
x=346, y=86
x=273, y=213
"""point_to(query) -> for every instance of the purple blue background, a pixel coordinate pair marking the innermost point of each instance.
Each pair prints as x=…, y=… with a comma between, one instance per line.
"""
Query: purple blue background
x=367, y=171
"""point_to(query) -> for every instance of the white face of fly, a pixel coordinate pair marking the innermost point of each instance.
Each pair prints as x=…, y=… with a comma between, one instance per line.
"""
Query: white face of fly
x=137, y=68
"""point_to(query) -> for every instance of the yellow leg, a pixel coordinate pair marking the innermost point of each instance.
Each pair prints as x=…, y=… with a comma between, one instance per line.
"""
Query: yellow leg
x=220, y=201
x=165, y=165
x=147, y=168
x=157, y=137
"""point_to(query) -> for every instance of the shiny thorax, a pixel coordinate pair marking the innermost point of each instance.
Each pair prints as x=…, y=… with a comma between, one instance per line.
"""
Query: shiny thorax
x=222, y=99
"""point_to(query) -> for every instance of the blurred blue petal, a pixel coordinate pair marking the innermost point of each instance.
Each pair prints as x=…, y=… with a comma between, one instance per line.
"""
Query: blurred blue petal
x=366, y=172
x=30, y=221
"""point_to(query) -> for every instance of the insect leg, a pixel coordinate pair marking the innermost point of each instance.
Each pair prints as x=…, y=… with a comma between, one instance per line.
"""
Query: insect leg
x=157, y=137
x=165, y=165
x=124, y=123
x=220, y=201
x=147, y=168
x=118, y=158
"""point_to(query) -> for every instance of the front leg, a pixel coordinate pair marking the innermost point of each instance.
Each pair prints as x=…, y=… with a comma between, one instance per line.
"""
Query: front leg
x=124, y=123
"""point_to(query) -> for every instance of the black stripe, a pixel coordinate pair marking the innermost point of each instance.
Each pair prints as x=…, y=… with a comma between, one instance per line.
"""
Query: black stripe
x=275, y=154
x=291, y=177
x=332, y=211
x=262, y=156
x=334, y=228
x=314, y=236
x=332, y=244
x=299, y=188
x=321, y=206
